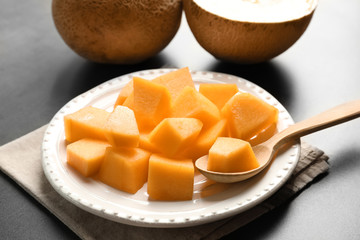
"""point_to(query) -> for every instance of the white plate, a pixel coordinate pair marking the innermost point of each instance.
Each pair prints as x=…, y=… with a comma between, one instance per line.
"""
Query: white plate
x=210, y=203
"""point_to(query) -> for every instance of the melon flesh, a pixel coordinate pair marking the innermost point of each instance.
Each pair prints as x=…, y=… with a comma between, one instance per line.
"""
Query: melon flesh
x=192, y=104
x=264, y=135
x=170, y=179
x=121, y=128
x=86, y=155
x=218, y=93
x=87, y=122
x=175, y=81
x=152, y=103
x=124, y=93
x=205, y=140
x=144, y=143
x=129, y=101
x=175, y=134
x=125, y=169
x=247, y=115
x=231, y=155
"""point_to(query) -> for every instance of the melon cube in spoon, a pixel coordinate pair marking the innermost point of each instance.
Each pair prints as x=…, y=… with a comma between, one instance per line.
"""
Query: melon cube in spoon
x=231, y=155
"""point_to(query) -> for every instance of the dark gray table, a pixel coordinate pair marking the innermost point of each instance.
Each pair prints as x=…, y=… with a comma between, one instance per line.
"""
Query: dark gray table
x=39, y=74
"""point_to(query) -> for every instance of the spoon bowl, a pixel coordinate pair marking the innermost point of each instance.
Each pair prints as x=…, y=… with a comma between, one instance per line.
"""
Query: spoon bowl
x=265, y=151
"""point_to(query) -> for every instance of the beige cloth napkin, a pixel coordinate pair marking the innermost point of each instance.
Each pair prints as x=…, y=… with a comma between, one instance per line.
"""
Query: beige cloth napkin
x=21, y=160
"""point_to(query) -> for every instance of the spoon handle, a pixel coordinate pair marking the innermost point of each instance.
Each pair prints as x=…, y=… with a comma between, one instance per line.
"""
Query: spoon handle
x=339, y=114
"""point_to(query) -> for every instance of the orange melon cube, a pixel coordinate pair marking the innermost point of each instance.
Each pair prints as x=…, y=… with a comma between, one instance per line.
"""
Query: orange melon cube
x=121, y=129
x=231, y=155
x=87, y=122
x=144, y=143
x=192, y=104
x=125, y=169
x=86, y=155
x=175, y=134
x=218, y=93
x=152, y=103
x=175, y=81
x=129, y=101
x=247, y=115
x=124, y=93
x=205, y=140
x=264, y=135
x=170, y=179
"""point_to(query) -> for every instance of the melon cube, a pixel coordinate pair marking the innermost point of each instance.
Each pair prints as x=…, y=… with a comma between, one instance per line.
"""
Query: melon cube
x=192, y=104
x=129, y=101
x=247, y=115
x=205, y=140
x=151, y=104
x=264, y=135
x=170, y=179
x=87, y=122
x=144, y=143
x=121, y=128
x=125, y=169
x=175, y=134
x=175, y=81
x=124, y=93
x=86, y=155
x=231, y=155
x=218, y=93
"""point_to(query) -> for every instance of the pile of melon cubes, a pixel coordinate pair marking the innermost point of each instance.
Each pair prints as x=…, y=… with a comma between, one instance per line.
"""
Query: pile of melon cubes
x=159, y=127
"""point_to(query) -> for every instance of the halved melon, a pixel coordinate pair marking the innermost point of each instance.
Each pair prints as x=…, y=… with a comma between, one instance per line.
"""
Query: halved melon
x=248, y=31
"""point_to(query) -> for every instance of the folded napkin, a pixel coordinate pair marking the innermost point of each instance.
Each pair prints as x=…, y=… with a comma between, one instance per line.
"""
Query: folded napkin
x=21, y=160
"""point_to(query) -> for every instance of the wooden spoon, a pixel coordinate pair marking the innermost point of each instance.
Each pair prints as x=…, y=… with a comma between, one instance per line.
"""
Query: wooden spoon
x=265, y=151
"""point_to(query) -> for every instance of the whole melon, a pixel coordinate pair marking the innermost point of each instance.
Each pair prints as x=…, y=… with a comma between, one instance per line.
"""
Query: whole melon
x=117, y=31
